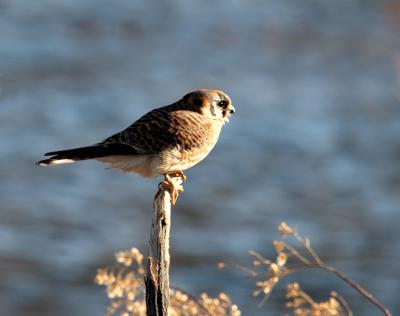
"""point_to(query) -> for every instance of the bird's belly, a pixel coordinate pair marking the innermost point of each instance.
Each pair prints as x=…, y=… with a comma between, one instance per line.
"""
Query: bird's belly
x=146, y=165
x=179, y=160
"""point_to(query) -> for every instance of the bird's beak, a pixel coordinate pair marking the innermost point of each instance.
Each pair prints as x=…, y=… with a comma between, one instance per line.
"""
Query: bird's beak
x=232, y=110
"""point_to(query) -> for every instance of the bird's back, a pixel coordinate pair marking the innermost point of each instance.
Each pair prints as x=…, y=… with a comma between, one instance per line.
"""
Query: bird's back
x=168, y=139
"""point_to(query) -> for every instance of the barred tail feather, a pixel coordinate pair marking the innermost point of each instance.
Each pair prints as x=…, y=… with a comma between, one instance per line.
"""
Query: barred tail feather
x=85, y=153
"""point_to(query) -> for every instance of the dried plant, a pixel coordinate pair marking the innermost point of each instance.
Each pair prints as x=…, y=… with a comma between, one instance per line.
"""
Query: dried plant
x=303, y=305
x=125, y=284
x=291, y=259
x=125, y=288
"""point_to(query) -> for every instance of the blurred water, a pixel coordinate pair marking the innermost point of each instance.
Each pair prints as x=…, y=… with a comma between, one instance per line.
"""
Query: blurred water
x=315, y=142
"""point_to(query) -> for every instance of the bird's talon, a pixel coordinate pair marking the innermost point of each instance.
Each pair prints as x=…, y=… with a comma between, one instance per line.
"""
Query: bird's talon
x=179, y=174
x=172, y=185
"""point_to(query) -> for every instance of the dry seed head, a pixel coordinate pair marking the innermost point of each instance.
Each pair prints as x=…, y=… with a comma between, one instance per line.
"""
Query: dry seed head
x=293, y=290
x=124, y=257
x=221, y=265
x=224, y=297
x=302, y=304
x=101, y=277
x=281, y=259
x=266, y=286
x=279, y=246
x=114, y=290
x=137, y=255
x=274, y=269
x=284, y=229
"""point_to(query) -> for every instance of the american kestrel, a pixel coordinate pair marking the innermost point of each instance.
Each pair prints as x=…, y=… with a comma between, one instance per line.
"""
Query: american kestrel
x=165, y=141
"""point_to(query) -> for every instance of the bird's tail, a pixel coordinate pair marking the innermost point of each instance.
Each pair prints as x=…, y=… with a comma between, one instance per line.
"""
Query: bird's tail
x=84, y=153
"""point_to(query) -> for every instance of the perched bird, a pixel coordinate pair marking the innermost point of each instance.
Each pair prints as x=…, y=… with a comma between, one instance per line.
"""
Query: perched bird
x=165, y=141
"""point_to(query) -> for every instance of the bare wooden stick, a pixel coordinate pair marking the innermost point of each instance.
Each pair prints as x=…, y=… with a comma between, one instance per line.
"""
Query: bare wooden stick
x=157, y=269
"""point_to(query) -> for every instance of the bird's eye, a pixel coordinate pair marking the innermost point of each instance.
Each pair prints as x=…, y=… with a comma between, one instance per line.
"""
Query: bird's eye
x=222, y=103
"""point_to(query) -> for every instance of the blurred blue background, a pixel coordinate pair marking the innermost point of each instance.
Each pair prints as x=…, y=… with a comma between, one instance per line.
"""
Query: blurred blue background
x=315, y=143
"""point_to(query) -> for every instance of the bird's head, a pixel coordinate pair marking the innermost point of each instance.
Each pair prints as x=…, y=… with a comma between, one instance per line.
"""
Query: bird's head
x=212, y=103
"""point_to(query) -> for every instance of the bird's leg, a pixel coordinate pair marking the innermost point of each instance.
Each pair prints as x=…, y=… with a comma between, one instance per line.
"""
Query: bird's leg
x=173, y=183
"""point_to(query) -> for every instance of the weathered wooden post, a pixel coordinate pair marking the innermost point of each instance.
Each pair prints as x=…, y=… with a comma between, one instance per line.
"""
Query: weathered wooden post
x=157, y=269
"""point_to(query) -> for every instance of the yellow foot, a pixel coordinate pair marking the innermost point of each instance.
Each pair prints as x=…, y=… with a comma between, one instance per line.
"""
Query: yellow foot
x=173, y=183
